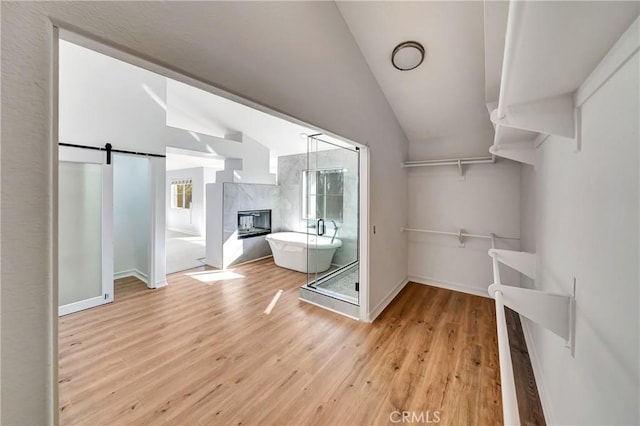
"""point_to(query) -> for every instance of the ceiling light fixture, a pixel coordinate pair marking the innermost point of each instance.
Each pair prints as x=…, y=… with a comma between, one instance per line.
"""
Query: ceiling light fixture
x=407, y=55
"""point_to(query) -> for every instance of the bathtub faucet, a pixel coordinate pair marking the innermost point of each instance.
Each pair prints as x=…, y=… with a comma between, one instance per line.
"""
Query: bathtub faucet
x=335, y=230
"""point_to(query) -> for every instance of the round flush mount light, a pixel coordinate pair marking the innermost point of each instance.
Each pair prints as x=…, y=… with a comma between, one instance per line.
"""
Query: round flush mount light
x=407, y=55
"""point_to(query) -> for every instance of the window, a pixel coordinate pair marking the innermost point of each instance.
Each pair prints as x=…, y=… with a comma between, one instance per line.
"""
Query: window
x=181, y=194
x=322, y=194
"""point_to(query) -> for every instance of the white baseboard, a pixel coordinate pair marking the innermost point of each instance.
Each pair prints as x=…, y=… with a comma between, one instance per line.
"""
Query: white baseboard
x=79, y=306
x=463, y=288
x=385, y=302
x=543, y=392
x=132, y=273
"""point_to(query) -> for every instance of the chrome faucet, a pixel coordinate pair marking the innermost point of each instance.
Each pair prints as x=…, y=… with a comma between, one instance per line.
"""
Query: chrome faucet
x=335, y=230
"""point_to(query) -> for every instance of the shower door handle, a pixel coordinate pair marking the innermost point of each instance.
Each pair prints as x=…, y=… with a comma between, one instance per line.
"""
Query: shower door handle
x=320, y=227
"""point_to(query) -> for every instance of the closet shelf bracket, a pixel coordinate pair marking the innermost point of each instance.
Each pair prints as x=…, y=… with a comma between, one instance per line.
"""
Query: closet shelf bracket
x=555, y=312
x=521, y=261
x=552, y=116
x=522, y=152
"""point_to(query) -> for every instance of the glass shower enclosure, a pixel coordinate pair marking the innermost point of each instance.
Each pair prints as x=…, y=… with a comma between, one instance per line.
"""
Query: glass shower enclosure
x=330, y=185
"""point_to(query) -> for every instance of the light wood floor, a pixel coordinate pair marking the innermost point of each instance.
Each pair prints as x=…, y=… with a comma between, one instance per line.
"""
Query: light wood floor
x=202, y=351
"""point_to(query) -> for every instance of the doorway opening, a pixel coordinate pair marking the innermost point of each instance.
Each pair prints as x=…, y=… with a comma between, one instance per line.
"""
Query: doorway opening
x=187, y=174
x=191, y=219
x=109, y=97
x=219, y=157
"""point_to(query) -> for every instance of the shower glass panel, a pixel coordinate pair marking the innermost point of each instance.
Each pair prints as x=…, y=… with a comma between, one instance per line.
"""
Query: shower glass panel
x=331, y=209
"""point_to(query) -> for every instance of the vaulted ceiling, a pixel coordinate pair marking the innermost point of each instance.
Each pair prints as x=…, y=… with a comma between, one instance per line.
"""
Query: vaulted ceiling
x=441, y=105
x=443, y=99
x=445, y=96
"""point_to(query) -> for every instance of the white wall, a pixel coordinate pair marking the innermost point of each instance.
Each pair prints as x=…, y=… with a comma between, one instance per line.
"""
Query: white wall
x=255, y=162
x=297, y=57
x=586, y=222
x=214, y=242
x=104, y=100
x=131, y=215
x=453, y=145
x=209, y=175
x=486, y=201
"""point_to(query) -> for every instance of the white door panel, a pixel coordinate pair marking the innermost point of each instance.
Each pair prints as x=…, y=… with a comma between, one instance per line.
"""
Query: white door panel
x=85, y=247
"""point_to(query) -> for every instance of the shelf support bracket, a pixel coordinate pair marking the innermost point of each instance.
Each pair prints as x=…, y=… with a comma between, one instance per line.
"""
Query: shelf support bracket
x=554, y=115
x=578, y=130
x=556, y=312
x=460, y=169
x=523, y=152
x=521, y=261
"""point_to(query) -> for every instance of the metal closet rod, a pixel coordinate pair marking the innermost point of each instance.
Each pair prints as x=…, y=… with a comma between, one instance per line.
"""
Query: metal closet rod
x=457, y=234
x=451, y=162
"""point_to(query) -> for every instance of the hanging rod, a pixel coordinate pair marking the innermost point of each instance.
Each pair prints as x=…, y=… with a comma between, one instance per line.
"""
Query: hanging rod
x=510, y=410
x=450, y=161
x=457, y=234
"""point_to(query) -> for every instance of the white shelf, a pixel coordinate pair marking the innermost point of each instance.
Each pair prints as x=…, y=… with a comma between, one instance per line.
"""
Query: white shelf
x=553, y=60
x=551, y=310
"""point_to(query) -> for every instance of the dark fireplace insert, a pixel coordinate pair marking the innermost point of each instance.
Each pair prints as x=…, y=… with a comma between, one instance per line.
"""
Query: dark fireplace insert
x=253, y=223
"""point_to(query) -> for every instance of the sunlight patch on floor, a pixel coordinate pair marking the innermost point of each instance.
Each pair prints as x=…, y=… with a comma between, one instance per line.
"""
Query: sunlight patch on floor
x=273, y=302
x=209, y=277
x=193, y=240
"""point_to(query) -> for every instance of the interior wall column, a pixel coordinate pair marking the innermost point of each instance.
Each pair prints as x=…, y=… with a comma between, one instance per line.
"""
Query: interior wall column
x=158, y=223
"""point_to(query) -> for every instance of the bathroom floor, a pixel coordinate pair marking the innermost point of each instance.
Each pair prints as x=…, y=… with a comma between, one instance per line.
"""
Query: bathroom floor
x=342, y=286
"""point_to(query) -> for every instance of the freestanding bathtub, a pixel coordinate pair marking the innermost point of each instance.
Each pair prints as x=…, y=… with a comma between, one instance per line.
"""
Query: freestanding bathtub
x=291, y=250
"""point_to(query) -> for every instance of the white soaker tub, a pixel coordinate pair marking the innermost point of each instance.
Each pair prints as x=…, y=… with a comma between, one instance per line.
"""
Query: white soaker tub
x=290, y=250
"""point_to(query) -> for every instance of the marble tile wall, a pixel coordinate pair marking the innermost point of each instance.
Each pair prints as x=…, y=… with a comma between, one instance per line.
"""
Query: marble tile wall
x=290, y=169
x=242, y=196
x=285, y=202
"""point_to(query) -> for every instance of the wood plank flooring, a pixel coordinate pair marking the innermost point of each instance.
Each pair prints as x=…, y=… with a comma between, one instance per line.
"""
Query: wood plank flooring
x=202, y=351
x=526, y=389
